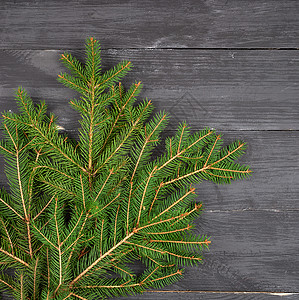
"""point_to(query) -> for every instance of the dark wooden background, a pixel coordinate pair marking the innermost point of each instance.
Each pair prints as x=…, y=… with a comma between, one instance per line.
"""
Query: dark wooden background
x=232, y=65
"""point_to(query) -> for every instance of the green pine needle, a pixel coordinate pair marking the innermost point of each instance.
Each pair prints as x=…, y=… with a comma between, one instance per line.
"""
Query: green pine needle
x=79, y=213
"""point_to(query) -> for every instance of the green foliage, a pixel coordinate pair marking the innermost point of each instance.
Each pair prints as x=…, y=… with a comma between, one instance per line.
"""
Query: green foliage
x=79, y=213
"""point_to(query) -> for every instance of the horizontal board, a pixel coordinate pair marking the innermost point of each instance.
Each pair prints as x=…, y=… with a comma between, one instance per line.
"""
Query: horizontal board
x=224, y=89
x=254, y=223
x=274, y=160
x=182, y=295
x=253, y=251
x=212, y=296
x=54, y=24
x=250, y=251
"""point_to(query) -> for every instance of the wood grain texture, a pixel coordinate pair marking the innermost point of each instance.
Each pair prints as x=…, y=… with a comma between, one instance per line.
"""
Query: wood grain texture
x=274, y=159
x=182, y=295
x=155, y=24
x=250, y=251
x=201, y=61
x=224, y=89
x=212, y=296
x=254, y=223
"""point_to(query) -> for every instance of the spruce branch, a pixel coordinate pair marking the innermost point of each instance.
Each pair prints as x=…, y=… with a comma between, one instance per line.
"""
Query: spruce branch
x=79, y=212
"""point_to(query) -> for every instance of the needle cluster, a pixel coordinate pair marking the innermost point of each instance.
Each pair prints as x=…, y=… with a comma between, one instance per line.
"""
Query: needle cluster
x=78, y=213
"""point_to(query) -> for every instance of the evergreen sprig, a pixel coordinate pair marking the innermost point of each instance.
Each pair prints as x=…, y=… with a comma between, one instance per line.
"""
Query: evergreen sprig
x=79, y=213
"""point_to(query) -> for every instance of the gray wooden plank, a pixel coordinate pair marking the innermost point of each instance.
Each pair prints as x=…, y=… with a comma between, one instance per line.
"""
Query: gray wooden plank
x=251, y=251
x=274, y=159
x=182, y=295
x=225, y=89
x=212, y=296
x=253, y=224
x=155, y=24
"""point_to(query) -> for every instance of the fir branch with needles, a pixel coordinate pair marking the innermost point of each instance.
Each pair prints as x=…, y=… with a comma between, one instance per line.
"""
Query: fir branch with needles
x=79, y=212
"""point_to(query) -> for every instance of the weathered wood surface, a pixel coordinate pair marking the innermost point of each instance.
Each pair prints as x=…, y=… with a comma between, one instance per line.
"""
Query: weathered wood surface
x=253, y=224
x=225, y=89
x=213, y=296
x=199, y=61
x=246, y=253
x=182, y=295
x=274, y=159
x=155, y=24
